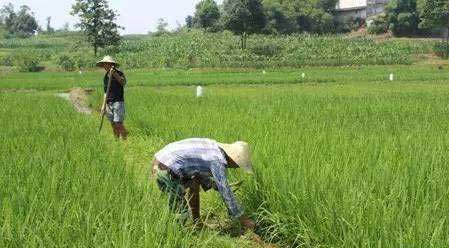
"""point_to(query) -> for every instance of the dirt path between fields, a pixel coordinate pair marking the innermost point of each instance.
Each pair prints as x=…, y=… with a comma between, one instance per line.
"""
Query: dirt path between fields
x=79, y=99
x=17, y=90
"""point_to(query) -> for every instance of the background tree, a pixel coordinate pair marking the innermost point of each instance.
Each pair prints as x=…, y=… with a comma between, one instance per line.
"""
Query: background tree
x=97, y=21
x=378, y=25
x=189, y=22
x=26, y=24
x=49, y=28
x=277, y=19
x=403, y=17
x=179, y=28
x=2, y=31
x=8, y=17
x=207, y=15
x=328, y=15
x=21, y=24
x=435, y=13
x=162, y=27
x=2, y=28
x=296, y=16
x=65, y=28
x=243, y=17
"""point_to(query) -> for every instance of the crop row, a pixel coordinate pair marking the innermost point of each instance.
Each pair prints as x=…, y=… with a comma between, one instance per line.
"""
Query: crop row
x=61, y=183
x=197, y=49
x=357, y=165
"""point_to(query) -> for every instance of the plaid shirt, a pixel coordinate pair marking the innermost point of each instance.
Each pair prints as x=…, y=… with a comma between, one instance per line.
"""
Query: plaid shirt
x=204, y=159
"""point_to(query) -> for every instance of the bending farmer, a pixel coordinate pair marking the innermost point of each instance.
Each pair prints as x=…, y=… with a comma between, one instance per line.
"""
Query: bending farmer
x=183, y=166
x=114, y=96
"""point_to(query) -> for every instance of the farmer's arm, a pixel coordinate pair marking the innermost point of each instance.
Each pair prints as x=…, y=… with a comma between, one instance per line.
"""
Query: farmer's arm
x=120, y=77
x=158, y=166
x=219, y=174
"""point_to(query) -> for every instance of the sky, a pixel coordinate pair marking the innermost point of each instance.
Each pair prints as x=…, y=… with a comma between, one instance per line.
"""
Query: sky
x=136, y=16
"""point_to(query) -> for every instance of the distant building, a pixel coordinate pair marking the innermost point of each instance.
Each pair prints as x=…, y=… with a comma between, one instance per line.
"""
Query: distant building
x=360, y=9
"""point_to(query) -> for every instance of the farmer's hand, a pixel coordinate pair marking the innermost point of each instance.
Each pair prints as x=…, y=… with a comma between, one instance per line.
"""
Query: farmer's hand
x=154, y=171
x=247, y=223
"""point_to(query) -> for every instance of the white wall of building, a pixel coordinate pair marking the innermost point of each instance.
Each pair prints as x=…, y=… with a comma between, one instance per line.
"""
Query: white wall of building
x=353, y=14
x=374, y=10
x=348, y=4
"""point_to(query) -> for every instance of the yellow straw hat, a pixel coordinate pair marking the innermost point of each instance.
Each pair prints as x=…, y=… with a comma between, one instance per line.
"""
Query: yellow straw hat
x=107, y=59
x=239, y=153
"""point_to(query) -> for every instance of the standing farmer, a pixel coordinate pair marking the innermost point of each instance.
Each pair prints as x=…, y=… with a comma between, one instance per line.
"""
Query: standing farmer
x=114, y=98
x=185, y=165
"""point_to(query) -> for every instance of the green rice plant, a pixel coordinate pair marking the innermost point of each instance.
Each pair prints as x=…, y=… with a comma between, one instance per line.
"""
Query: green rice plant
x=165, y=77
x=337, y=165
x=343, y=157
x=60, y=188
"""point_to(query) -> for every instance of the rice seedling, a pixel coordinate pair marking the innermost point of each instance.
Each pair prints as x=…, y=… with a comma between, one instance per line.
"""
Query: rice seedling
x=353, y=165
x=343, y=157
x=63, y=185
x=164, y=77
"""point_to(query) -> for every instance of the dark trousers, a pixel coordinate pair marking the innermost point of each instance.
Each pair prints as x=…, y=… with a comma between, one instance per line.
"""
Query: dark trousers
x=176, y=191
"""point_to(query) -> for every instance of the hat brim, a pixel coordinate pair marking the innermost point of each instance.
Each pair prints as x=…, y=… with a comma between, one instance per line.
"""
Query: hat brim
x=101, y=63
x=244, y=164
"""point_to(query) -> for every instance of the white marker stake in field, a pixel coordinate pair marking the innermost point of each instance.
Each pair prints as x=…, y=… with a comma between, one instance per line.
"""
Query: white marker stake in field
x=391, y=77
x=199, y=91
x=303, y=75
x=264, y=72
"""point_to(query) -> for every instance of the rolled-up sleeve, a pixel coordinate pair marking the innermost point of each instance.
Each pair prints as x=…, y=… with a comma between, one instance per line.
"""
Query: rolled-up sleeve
x=219, y=173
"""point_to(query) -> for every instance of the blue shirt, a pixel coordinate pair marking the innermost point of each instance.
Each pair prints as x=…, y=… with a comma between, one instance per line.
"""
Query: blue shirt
x=204, y=159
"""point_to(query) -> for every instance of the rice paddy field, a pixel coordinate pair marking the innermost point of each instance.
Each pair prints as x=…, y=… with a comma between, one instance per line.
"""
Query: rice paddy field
x=343, y=157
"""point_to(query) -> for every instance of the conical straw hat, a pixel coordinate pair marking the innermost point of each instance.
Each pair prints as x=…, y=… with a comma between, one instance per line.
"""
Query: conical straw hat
x=107, y=59
x=239, y=153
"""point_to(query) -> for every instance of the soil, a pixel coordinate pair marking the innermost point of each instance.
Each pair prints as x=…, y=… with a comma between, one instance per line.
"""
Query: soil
x=78, y=97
